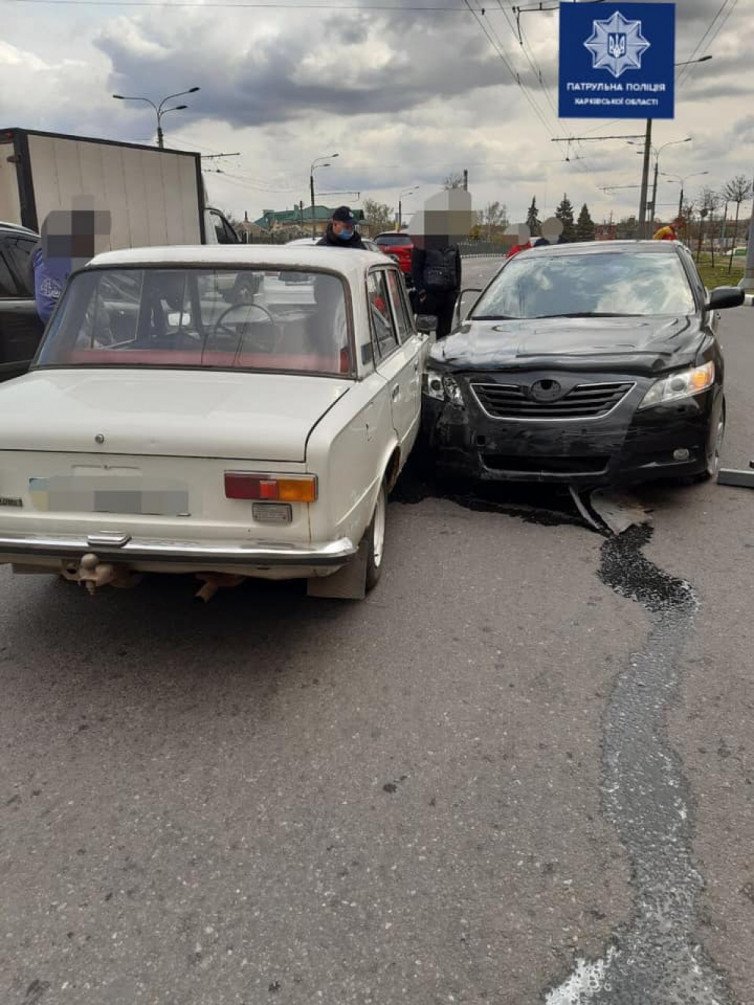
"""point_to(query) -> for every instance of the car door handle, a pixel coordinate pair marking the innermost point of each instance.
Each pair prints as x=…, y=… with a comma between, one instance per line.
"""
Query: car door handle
x=396, y=392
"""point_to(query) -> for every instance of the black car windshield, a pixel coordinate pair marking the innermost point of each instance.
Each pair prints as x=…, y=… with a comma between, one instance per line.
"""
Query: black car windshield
x=229, y=318
x=614, y=284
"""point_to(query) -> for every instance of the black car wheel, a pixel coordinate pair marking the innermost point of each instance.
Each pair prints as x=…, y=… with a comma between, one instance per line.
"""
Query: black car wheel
x=714, y=446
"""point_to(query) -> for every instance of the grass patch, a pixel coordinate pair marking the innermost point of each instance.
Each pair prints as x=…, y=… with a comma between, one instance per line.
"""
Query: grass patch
x=719, y=275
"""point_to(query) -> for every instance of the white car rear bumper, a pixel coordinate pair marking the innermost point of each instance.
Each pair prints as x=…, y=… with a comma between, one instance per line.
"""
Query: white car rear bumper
x=127, y=550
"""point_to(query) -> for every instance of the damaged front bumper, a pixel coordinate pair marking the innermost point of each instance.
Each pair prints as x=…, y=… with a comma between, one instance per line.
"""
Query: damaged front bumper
x=626, y=446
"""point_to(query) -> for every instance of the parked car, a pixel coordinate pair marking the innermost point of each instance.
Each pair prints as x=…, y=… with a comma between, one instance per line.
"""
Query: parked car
x=313, y=241
x=162, y=429
x=586, y=364
x=20, y=326
x=400, y=247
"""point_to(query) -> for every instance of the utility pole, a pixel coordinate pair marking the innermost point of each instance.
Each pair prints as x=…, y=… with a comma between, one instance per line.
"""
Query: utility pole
x=311, y=193
x=317, y=163
x=747, y=283
x=653, y=211
x=465, y=180
x=645, y=181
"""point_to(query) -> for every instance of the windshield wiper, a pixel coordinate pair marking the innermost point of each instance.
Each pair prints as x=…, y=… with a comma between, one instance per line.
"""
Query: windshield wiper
x=585, y=314
x=494, y=317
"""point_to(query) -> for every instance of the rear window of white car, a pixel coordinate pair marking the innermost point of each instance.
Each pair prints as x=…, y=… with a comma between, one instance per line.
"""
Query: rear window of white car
x=232, y=319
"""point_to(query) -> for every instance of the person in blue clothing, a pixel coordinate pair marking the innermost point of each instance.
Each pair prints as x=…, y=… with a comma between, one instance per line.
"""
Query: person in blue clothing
x=67, y=242
x=50, y=274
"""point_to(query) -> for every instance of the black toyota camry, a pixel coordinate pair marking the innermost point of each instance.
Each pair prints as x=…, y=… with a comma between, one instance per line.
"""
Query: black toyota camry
x=584, y=363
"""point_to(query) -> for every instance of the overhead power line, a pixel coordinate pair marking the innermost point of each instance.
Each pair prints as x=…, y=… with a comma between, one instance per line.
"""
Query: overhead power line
x=503, y=57
x=256, y=4
x=539, y=77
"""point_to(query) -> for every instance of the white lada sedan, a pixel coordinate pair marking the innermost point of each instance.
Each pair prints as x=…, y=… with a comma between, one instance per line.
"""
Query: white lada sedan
x=194, y=410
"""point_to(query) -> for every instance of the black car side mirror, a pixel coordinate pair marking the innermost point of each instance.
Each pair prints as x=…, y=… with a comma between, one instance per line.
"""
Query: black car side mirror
x=463, y=305
x=725, y=296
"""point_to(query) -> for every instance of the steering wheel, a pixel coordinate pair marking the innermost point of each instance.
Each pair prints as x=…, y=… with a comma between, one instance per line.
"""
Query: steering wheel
x=246, y=320
x=243, y=327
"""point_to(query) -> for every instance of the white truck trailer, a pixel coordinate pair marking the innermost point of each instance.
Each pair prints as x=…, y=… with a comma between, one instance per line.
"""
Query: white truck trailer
x=155, y=197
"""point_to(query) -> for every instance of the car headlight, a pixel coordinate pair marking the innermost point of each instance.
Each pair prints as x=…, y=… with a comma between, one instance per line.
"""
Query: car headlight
x=443, y=387
x=682, y=384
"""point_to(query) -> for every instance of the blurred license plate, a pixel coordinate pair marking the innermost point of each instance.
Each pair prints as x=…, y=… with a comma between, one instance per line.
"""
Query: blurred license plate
x=107, y=494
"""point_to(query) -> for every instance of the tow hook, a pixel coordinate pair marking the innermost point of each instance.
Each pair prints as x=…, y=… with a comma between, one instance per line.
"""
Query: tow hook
x=93, y=573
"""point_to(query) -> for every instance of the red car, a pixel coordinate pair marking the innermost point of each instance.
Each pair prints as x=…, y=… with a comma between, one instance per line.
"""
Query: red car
x=400, y=247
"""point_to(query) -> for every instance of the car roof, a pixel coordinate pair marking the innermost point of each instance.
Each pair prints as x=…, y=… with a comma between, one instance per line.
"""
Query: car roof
x=392, y=233
x=351, y=262
x=601, y=247
x=18, y=228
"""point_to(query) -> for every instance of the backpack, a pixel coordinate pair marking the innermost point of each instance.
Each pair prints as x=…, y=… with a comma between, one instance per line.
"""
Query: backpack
x=440, y=269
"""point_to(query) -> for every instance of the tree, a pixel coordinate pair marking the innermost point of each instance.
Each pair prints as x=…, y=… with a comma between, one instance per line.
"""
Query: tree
x=736, y=190
x=532, y=219
x=493, y=217
x=378, y=216
x=453, y=180
x=709, y=201
x=585, y=225
x=564, y=213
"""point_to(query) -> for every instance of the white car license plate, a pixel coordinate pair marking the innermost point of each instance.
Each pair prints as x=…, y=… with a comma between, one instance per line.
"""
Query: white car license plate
x=127, y=494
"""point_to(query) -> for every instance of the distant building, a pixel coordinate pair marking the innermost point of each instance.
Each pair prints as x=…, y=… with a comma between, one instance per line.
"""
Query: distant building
x=605, y=231
x=297, y=222
x=250, y=232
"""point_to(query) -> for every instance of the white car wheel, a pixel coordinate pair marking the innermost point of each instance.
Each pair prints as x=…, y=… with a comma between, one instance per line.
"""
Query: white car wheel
x=375, y=539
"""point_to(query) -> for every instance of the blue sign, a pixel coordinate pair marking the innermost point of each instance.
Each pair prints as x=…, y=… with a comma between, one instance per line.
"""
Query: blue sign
x=616, y=60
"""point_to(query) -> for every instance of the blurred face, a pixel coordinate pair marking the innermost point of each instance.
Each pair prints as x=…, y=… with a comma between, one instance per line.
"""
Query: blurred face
x=338, y=226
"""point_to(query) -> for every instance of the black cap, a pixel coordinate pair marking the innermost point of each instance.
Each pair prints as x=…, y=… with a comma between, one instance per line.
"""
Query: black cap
x=344, y=215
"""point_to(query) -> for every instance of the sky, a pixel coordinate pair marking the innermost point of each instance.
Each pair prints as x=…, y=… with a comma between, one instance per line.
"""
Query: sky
x=405, y=94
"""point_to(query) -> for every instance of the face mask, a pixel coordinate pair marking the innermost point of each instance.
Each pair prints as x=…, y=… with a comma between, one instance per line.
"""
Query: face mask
x=345, y=235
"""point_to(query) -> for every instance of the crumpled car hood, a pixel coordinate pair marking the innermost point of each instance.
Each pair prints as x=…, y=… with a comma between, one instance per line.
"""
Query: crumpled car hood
x=633, y=344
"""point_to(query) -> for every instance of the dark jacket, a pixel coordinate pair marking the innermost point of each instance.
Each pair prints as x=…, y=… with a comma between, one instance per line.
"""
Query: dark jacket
x=419, y=260
x=333, y=241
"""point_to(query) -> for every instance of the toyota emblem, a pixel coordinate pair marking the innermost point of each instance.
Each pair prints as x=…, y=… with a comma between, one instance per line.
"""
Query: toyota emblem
x=545, y=390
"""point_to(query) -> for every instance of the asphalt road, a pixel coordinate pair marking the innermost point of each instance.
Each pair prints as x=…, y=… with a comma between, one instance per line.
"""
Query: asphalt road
x=522, y=765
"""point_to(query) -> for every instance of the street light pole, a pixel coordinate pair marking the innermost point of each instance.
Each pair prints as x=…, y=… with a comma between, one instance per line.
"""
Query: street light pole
x=645, y=180
x=645, y=167
x=312, y=169
x=657, y=168
x=160, y=109
x=682, y=182
x=406, y=191
x=747, y=283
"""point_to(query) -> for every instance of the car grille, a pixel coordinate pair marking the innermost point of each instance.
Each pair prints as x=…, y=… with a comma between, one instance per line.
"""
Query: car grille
x=585, y=401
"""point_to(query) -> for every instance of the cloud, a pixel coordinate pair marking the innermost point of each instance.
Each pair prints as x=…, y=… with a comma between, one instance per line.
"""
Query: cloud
x=344, y=66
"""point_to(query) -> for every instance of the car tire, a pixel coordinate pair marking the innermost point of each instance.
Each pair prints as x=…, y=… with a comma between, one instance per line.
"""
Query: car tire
x=714, y=446
x=375, y=540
